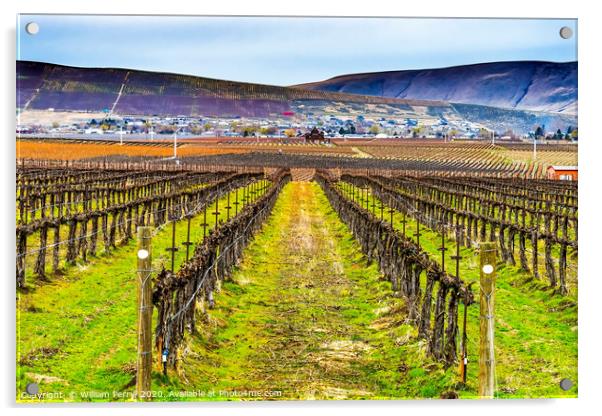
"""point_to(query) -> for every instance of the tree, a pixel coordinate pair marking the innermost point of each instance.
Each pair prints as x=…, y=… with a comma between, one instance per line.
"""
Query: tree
x=558, y=135
x=539, y=132
x=249, y=131
x=272, y=130
x=195, y=129
x=234, y=125
x=416, y=131
x=290, y=132
x=374, y=129
x=485, y=134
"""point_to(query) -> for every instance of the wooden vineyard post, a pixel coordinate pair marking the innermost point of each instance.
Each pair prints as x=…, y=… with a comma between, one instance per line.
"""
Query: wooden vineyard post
x=403, y=224
x=373, y=203
x=236, y=203
x=417, y=233
x=205, y=221
x=188, y=243
x=442, y=249
x=464, y=351
x=173, y=247
x=487, y=322
x=216, y=212
x=228, y=208
x=145, y=312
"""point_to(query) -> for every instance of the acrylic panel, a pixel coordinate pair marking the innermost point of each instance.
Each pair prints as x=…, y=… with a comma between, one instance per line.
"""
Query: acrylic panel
x=295, y=208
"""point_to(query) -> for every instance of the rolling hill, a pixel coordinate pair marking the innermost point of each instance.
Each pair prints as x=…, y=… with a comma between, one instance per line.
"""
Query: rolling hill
x=523, y=85
x=58, y=88
x=42, y=86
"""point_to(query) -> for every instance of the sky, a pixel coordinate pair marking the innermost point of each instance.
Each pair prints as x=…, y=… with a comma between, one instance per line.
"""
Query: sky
x=286, y=50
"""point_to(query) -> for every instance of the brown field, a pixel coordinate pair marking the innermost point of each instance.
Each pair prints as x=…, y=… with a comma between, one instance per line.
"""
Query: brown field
x=74, y=151
x=514, y=159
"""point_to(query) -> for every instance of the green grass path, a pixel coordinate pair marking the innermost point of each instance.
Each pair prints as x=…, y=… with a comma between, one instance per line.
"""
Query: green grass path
x=304, y=317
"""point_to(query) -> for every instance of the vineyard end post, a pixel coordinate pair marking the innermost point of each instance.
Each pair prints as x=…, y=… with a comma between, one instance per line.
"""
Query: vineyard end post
x=487, y=320
x=145, y=312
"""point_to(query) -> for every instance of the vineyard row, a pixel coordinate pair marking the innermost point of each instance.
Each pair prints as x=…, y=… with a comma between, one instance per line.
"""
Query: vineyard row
x=176, y=295
x=406, y=265
x=114, y=223
x=478, y=222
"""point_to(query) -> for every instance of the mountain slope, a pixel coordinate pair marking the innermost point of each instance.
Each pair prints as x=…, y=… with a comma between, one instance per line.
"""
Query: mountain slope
x=524, y=85
x=42, y=86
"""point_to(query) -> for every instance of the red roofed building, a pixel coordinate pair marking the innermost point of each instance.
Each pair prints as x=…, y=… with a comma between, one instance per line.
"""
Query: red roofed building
x=563, y=173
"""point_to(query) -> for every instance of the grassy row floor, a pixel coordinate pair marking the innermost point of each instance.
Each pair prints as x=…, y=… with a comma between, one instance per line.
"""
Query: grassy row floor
x=77, y=334
x=536, y=330
x=304, y=317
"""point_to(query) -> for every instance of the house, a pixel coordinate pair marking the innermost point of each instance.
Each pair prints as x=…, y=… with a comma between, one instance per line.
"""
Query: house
x=93, y=131
x=563, y=173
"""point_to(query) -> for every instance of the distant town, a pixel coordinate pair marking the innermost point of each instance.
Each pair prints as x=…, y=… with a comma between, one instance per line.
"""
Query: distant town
x=285, y=126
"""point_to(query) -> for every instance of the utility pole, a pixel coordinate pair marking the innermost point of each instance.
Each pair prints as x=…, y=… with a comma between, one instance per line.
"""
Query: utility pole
x=175, y=144
x=534, y=147
x=145, y=313
x=487, y=321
